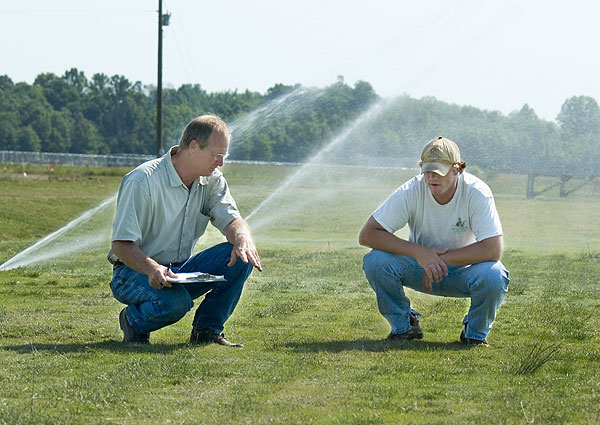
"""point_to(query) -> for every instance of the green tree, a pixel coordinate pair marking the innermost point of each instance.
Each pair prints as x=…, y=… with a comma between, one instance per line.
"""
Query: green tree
x=9, y=130
x=77, y=79
x=279, y=90
x=118, y=109
x=579, y=120
x=57, y=91
x=579, y=115
x=86, y=138
x=5, y=83
x=59, y=139
x=28, y=140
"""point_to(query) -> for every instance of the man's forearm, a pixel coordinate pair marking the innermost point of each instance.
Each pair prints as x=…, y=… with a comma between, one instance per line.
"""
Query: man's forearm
x=374, y=236
x=237, y=233
x=235, y=228
x=386, y=241
x=132, y=256
x=486, y=250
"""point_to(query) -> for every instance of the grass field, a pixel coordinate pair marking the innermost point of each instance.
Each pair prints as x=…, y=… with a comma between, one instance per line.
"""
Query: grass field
x=314, y=349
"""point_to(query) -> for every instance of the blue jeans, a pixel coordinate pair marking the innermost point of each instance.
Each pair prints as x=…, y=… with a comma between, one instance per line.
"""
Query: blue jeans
x=485, y=283
x=150, y=309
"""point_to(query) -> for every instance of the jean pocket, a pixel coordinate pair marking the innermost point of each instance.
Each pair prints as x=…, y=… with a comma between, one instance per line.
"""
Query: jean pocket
x=130, y=287
x=506, y=276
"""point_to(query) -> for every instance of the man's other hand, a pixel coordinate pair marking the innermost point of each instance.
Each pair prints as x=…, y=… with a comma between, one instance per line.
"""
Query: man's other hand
x=434, y=268
x=244, y=249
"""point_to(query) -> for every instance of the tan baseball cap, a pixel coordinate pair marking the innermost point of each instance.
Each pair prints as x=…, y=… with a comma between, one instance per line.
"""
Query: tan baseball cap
x=439, y=155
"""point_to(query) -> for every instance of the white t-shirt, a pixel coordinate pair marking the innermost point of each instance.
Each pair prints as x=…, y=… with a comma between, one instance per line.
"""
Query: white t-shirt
x=469, y=217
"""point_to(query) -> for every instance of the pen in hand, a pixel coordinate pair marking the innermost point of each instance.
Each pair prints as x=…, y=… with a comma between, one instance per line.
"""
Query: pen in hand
x=166, y=277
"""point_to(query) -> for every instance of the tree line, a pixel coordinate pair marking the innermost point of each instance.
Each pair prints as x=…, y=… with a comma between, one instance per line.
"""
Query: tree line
x=102, y=115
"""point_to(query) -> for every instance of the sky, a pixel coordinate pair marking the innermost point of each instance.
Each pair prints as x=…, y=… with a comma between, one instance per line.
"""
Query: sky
x=494, y=55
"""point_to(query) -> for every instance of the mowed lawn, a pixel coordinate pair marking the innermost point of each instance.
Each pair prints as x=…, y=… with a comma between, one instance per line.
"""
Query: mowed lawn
x=314, y=349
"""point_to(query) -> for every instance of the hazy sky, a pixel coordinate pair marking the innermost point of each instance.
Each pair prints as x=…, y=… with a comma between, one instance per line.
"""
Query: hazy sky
x=495, y=55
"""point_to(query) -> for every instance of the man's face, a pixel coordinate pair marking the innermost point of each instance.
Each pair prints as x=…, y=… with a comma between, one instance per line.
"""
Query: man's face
x=212, y=156
x=442, y=187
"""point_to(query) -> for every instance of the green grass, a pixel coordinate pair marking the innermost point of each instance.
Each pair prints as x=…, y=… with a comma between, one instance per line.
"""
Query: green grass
x=313, y=337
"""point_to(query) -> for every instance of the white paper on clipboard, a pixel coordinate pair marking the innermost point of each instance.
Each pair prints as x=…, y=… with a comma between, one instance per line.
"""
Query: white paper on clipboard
x=195, y=277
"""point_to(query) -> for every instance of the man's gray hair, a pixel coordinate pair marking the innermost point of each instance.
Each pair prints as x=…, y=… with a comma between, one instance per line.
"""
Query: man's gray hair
x=201, y=128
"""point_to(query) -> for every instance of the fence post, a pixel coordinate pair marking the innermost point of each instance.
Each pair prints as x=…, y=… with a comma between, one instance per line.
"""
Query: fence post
x=529, y=193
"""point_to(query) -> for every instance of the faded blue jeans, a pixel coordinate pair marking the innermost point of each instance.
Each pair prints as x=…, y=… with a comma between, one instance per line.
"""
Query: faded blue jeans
x=150, y=309
x=485, y=283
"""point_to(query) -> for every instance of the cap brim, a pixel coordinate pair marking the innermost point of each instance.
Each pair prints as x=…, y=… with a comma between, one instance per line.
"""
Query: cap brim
x=440, y=168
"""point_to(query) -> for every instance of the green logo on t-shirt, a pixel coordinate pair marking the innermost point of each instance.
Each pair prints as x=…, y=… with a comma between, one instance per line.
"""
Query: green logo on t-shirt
x=460, y=226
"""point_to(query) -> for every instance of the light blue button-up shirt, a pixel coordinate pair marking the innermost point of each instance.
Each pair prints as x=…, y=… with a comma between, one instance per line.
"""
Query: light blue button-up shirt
x=156, y=210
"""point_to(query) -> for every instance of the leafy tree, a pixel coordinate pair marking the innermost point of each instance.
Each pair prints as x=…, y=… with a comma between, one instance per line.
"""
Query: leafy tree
x=292, y=123
x=57, y=91
x=579, y=115
x=118, y=109
x=28, y=140
x=9, y=130
x=59, y=139
x=579, y=120
x=77, y=79
x=5, y=83
x=86, y=138
x=279, y=90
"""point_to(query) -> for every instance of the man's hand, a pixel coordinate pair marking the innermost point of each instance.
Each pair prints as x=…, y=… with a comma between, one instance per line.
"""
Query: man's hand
x=434, y=266
x=375, y=236
x=157, y=278
x=131, y=255
x=244, y=249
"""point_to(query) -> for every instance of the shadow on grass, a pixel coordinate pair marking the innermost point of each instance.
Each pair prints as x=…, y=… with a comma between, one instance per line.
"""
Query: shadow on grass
x=112, y=345
x=375, y=345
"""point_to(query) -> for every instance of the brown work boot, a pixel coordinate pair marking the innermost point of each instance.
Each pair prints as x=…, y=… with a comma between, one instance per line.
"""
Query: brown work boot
x=130, y=335
x=471, y=341
x=415, y=331
x=204, y=336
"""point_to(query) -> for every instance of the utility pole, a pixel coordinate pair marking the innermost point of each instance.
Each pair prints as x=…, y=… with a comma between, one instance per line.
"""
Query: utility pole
x=163, y=20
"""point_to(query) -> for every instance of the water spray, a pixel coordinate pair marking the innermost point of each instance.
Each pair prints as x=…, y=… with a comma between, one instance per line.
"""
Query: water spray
x=317, y=159
x=295, y=100
x=23, y=258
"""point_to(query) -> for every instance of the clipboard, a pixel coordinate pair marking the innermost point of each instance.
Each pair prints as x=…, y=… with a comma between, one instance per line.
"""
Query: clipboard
x=195, y=277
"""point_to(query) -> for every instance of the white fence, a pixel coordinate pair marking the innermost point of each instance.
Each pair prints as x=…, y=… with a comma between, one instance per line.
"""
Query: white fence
x=131, y=160
x=118, y=160
x=123, y=160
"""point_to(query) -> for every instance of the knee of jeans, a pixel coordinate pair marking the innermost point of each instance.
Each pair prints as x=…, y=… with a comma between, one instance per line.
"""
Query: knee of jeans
x=174, y=308
x=240, y=269
x=374, y=261
x=497, y=279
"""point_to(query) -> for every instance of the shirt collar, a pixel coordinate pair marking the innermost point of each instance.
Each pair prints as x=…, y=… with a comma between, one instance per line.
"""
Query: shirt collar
x=174, y=179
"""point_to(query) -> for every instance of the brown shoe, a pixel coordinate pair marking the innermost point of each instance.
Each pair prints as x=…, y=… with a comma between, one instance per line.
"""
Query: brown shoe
x=204, y=336
x=130, y=335
x=471, y=341
x=415, y=331
x=412, y=333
